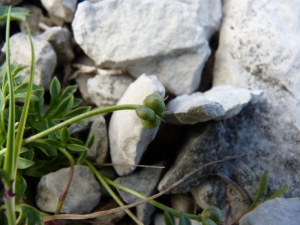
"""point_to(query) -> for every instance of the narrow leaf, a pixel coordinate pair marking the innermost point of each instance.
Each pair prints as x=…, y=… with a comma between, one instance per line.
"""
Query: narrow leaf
x=24, y=163
x=20, y=188
x=261, y=189
x=184, y=220
x=76, y=148
x=82, y=157
x=30, y=214
x=64, y=135
x=90, y=141
x=54, y=89
x=63, y=107
x=169, y=218
x=278, y=193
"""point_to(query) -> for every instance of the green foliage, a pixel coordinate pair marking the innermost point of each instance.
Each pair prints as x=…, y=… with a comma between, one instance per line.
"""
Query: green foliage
x=212, y=213
x=17, y=13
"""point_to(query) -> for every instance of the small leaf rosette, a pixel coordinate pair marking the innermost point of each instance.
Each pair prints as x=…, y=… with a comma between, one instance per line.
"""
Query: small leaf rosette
x=152, y=111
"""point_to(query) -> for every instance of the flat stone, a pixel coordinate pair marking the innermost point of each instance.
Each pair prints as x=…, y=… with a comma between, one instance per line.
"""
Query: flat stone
x=200, y=147
x=98, y=152
x=128, y=138
x=83, y=195
x=254, y=53
x=173, y=44
x=62, y=9
x=106, y=90
x=60, y=39
x=147, y=180
x=220, y=102
x=45, y=57
x=276, y=212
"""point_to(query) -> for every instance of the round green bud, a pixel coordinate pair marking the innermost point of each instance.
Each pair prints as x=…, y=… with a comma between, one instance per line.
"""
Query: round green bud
x=151, y=124
x=207, y=221
x=145, y=113
x=155, y=102
x=213, y=213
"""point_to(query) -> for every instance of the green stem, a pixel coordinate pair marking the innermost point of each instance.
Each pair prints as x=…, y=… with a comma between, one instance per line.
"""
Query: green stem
x=63, y=195
x=9, y=164
x=152, y=202
x=74, y=120
x=110, y=191
x=78, y=118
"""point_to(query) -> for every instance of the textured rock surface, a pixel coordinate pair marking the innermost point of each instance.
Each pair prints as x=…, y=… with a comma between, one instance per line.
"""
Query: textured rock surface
x=147, y=180
x=171, y=41
x=99, y=150
x=276, y=212
x=221, y=102
x=201, y=147
x=83, y=195
x=60, y=39
x=106, y=90
x=223, y=194
x=62, y=9
x=259, y=49
x=45, y=57
x=128, y=138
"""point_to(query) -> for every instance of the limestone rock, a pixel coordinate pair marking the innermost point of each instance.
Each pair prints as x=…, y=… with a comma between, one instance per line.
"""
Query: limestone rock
x=106, y=90
x=45, y=57
x=62, y=9
x=276, y=212
x=254, y=53
x=99, y=150
x=201, y=147
x=147, y=180
x=221, y=102
x=60, y=39
x=83, y=195
x=171, y=41
x=128, y=138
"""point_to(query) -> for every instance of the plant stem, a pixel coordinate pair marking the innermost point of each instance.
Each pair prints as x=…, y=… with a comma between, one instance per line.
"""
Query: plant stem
x=152, y=202
x=110, y=191
x=9, y=164
x=74, y=120
x=63, y=195
x=80, y=117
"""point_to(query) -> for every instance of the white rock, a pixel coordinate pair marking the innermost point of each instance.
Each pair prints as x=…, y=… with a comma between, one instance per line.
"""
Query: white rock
x=259, y=49
x=106, y=90
x=147, y=180
x=60, y=39
x=62, y=9
x=221, y=102
x=276, y=212
x=81, y=81
x=45, y=57
x=83, y=195
x=99, y=150
x=128, y=138
x=171, y=41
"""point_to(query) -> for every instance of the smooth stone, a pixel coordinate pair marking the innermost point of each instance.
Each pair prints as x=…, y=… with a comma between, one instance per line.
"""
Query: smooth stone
x=106, y=90
x=45, y=58
x=173, y=44
x=274, y=212
x=62, y=9
x=128, y=138
x=201, y=146
x=83, y=195
x=220, y=102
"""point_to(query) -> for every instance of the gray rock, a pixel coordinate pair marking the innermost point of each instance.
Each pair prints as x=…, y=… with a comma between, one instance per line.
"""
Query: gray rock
x=147, y=180
x=106, y=90
x=224, y=194
x=45, y=57
x=83, y=195
x=60, y=39
x=62, y=9
x=171, y=41
x=221, y=102
x=128, y=138
x=253, y=53
x=99, y=150
x=201, y=147
x=10, y=2
x=274, y=212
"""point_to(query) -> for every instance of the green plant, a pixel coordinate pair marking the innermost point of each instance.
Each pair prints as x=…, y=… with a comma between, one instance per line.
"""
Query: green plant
x=33, y=143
